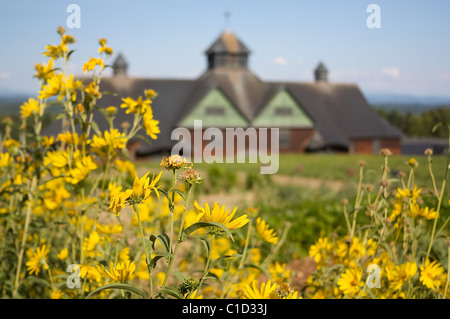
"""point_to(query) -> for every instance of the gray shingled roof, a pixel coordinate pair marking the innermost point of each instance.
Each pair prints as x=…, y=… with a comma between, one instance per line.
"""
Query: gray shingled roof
x=227, y=42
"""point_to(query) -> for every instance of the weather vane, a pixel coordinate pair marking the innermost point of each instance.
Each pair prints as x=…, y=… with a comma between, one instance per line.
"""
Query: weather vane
x=227, y=20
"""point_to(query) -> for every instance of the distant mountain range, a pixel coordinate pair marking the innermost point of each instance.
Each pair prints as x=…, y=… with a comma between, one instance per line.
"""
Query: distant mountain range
x=389, y=98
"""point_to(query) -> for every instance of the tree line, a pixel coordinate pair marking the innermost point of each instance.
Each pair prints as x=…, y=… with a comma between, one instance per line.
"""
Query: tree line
x=418, y=124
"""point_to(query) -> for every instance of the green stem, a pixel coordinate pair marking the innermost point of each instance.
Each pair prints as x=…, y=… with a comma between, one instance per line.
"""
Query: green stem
x=24, y=236
x=275, y=250
x=440, y=195
x=147, y=257
x=225, y=293
x=180, y=236
x=208, y=261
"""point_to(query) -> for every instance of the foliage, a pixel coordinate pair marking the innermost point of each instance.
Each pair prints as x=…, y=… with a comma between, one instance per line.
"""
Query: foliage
x=418, y=125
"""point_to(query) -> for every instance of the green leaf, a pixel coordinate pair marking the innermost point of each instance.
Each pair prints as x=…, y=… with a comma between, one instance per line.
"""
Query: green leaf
x=440, y=124
x=126, y=287
x=221, y=258
x=179, y=192
x=170, y=291
x=163, y=239
x=155, y=259
x=199, y=225
x=95, y=128
x=147, y=247
x=205, y=243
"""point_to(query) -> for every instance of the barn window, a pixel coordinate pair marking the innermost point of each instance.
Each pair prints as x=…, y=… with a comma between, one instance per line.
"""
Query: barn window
x=215, y=111
x=285, y=138
x=283, y=111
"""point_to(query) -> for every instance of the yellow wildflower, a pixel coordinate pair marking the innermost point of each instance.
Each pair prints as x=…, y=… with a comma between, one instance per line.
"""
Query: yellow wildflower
x=52, y=88
x=38, y=259
x=265, y=233
x=350, y=281
x=138, y=106
x=431, y=274
x=110, y=141
x=263, y=292
x=92, y=63
x=151, y=125
x=93, y=89
x=44, y=70
x=56, y=294
x=220, y=215
x=47, y=141
x=5, y=160
x=63, y=254
x=29, y=108
x=407, y=193
x=319, y=250
x=121, y=273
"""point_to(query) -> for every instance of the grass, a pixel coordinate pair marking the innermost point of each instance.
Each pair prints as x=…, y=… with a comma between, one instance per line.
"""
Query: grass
x=338, y=167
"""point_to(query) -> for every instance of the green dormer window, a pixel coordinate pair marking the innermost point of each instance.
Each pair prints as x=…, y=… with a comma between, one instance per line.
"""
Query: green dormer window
x=215, y=111
x=283, y=111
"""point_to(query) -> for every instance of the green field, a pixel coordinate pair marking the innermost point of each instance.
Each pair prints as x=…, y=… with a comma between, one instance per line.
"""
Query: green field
x=312, y=209
x=336, y=167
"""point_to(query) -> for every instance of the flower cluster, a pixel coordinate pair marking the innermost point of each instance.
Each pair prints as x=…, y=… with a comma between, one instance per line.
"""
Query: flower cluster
x=391, y=256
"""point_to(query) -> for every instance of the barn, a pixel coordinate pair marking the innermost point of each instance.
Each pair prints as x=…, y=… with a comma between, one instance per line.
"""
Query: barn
x=318, y=116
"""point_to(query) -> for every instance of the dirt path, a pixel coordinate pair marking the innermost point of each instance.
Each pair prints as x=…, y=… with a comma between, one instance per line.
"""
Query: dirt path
x=308, y=182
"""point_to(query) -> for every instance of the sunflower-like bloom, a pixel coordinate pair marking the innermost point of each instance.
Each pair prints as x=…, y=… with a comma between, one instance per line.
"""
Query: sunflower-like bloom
x=431, y=274
x=138, y=106
x=5, y=160
x=38, y=259
x=220, y=215
x=55, y=51
x=121, y=273
x=103, y=48
x=93, y=89
x=265, y=291
x=142, y=187
x=110, y=141
x=151, y=125
x=81, y=169
x=92, y=63
x=29, y=108
x=407, y=193
x=63, y=254
x=350, y=282
x=400, y=274
x=56, y=294
x=265, y=233
x=44, y=70
x=53, y=87
x=70, y=86
x=319, y=250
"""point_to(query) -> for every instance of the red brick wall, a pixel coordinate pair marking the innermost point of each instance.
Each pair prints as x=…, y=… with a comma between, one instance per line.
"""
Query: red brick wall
x=299, y=139
x=366, y=146
x=393, y=144
x=362, y=146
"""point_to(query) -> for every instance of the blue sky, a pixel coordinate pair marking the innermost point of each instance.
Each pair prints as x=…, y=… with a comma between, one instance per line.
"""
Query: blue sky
x=409, y=54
